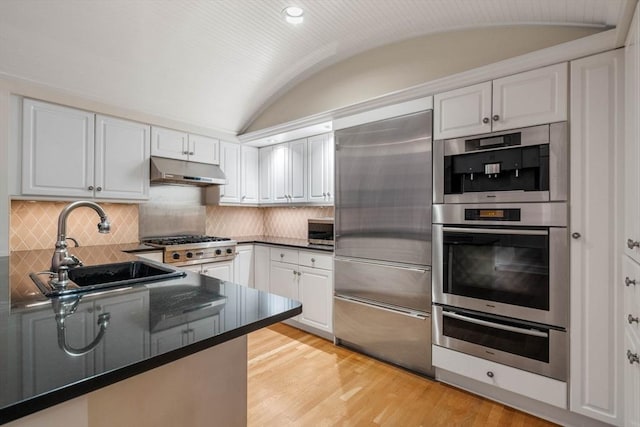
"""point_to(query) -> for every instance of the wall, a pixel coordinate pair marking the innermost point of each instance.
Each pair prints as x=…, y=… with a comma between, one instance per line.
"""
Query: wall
x=405, y=64
x=34, y=225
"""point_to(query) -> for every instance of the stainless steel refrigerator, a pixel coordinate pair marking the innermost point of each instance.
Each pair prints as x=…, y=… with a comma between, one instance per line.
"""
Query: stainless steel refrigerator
x=382, y=302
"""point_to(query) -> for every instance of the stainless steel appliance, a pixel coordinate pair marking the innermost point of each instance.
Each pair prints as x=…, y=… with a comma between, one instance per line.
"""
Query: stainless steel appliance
x=522, y=165
x=320, y=231
x=189, y=249
x=504, y=259
x=383, y=240
x=172, y=171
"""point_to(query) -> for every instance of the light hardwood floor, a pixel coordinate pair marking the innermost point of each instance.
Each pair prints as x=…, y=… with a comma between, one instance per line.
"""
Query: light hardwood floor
x=298, y=379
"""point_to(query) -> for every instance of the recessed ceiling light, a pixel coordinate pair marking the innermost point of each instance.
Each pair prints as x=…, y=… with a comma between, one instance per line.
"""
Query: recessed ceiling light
x=293, y=14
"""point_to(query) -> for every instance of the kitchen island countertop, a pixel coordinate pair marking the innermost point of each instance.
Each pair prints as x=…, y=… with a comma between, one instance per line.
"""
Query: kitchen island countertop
x=35, y=371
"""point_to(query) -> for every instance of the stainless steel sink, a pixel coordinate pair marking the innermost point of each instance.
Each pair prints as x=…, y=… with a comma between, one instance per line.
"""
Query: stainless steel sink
x=104, y=276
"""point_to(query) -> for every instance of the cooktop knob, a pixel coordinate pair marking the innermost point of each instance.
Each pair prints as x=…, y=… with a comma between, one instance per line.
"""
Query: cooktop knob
x=189, y=254
x=229, y=251
x=218, y=252
x=175, y=255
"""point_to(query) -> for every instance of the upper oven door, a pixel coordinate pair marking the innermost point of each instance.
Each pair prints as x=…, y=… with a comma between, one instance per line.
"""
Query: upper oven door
x=514, y=272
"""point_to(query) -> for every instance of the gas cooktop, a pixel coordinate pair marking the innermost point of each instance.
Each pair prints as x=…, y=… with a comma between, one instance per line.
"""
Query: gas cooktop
x=183, y=240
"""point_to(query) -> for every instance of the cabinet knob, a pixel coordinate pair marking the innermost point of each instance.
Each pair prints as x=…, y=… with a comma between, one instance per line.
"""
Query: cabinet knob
x=628, y=281
x=191, y=153
x=205, y=271
x=295, y=273
x=328, y=194
x=299, y=274
x=243, y=197
x=185, y=152
x=496, y=117
x=576, y=235
x=490, y=374
x=324, y=194
x=99, y=189
x=631, y=244
x=485, y=120
x=313, y=260
x=90, y=188
x=281, y=255
x=633, y=357
x=632, y=319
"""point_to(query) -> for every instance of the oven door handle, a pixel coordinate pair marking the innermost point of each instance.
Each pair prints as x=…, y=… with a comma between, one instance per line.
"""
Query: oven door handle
x=532, y=332
x=495, y=231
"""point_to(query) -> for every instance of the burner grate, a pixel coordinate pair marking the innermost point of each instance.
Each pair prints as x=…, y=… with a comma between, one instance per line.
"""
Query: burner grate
x=181, y=240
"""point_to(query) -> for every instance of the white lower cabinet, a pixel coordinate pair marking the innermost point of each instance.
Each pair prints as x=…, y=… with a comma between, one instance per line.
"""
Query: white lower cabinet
x=632, y=380
x=531, y=385
x=243, y=266
x=262, y=265
x=220, y=270
x=307, y=277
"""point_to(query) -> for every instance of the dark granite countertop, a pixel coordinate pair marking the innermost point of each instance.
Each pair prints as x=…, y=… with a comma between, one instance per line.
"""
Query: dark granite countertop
x=283, y=241
x=146, y=329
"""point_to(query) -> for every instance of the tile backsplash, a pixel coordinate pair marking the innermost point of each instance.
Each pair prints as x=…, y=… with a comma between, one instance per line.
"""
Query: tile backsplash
x=34, y=224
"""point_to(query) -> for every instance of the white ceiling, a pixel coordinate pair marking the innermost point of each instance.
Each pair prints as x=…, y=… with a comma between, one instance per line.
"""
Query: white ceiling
x=214, y=63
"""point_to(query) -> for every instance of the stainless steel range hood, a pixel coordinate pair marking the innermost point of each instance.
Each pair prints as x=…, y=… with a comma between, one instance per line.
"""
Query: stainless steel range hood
x=172, y=171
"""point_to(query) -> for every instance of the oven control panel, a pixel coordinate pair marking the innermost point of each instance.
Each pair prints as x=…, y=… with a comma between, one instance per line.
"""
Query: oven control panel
x=199, y=256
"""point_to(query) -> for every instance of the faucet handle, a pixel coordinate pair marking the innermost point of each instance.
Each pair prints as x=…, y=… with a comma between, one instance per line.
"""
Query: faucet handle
x=76, y=261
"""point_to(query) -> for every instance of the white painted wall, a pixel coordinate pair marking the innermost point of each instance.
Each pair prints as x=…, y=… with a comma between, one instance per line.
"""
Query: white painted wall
x=402, y=65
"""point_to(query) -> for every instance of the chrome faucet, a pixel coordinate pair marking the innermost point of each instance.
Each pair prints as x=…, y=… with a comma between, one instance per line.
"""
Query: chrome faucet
x=62, y=260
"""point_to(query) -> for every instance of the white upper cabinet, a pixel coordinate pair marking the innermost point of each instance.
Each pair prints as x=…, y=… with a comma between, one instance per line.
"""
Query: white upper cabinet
x=280, y=170
x=632, y=143
x=230, y=165
x=249, y=175
x=464, y=111
x=74, y=153
x=121, y=159
x=321, y=154
x=175, y=144
x=297, y=179
x=534, y=97
x=266, y=175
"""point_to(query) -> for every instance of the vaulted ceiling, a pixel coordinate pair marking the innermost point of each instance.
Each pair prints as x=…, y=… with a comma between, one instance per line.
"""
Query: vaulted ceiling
x=214, y=63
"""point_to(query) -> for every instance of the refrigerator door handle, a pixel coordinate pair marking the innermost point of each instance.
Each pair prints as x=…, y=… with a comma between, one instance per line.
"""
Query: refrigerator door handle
x=385, y=307
x=385, y=264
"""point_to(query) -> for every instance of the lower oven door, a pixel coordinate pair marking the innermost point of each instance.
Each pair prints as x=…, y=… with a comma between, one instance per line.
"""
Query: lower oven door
x=518, y=272
x=533, y=348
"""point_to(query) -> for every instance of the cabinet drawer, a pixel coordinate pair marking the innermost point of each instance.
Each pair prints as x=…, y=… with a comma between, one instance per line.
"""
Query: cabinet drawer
x=284, y=255
x=316, y=260
x=535, y=386
x=631, y=295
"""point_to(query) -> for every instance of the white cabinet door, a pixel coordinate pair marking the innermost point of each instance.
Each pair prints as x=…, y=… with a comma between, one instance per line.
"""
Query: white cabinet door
x=230, y=165
x=152, y=256
x=57, y=150
x=461, y=112
x=320, y=168
x=169, y=143
x=280, y=170
x=632, y=141
x=530, y=98
x=297, y=171
x=43, y=371
x=316, y=294
x=632, y=381
x=195, y=268
x=220, y=270
x=262, y=266
x=330, y=158
x=283, y=280
x=249, y=175
x=204, y=149
x=596, y=145
x=266, y=174
x=122, y=150
x=203, y=328
x=243, y=271
x=126, y=339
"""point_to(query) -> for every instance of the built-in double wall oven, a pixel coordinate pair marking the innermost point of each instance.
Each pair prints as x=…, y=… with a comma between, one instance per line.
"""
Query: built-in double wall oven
x=500, y=248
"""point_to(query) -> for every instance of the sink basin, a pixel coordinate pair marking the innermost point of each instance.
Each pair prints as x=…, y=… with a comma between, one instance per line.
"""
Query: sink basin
x=98, y=277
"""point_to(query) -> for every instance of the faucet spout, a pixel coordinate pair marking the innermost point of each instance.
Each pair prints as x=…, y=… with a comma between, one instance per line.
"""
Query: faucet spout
x=62, y=260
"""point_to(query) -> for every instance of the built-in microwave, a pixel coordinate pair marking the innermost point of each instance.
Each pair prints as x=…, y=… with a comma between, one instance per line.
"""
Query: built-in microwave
x=320, y=231
x=508, y=260
x=520, y=165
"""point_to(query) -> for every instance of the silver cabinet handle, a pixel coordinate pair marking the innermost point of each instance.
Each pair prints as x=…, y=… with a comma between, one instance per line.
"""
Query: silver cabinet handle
x=532, y=332
x=576, y=235
x=205, y=271
x=90, y=188
x=99, y=189
x=243, y=197
x=632, y=319
x=628, y=281
x=633, y=244
x=496, y=117
x=191, y=153
x=328, y=194
x=490, y=374
x=633, y=357
x=485, y=120
x=299, y=273
x=295, y=273
x=185, y=152
x=324, y=194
